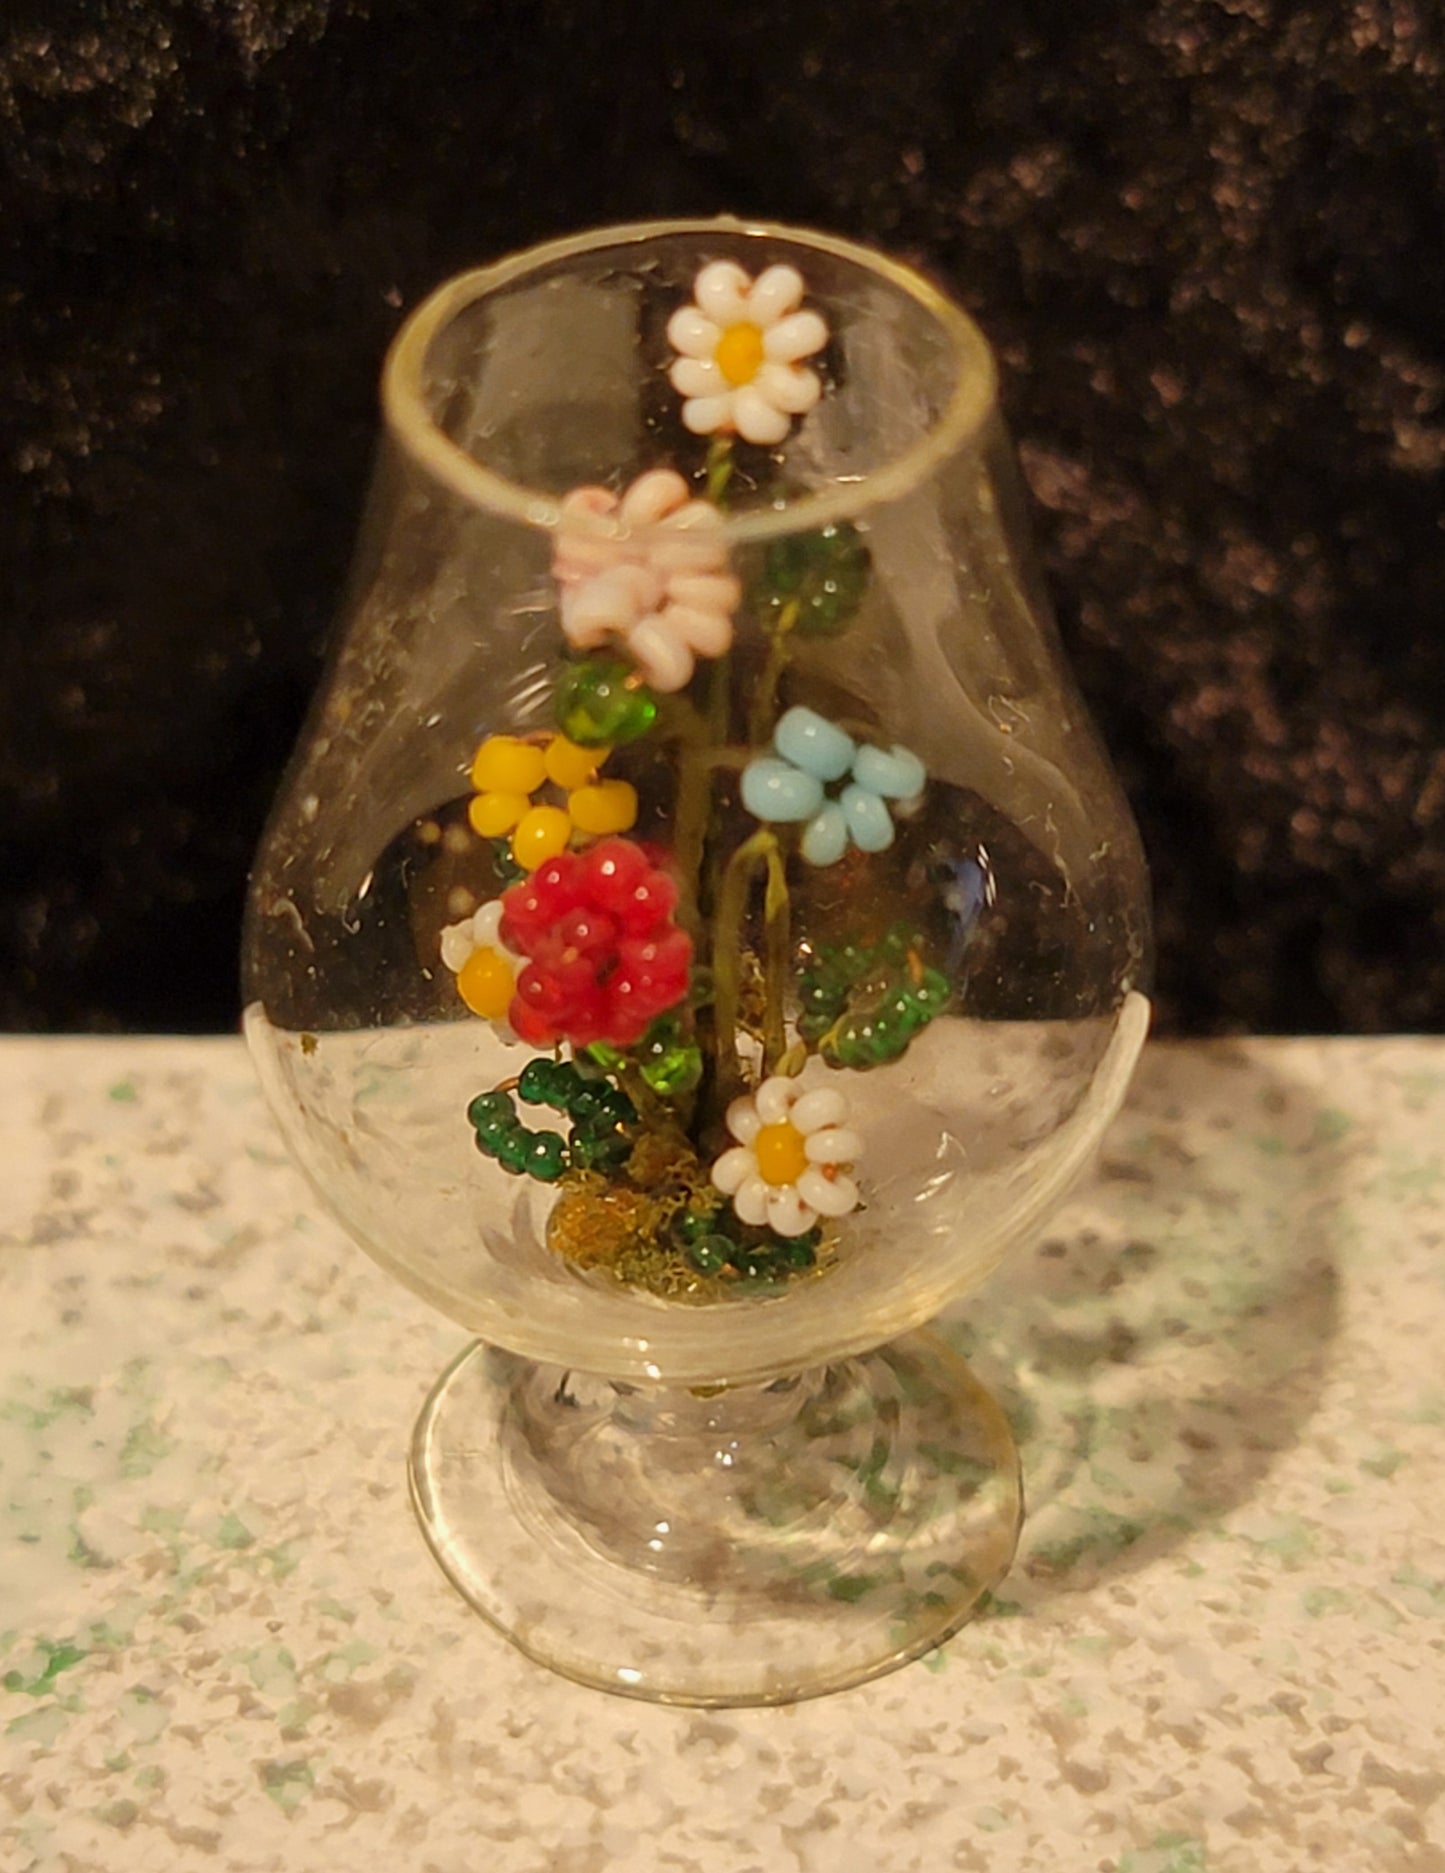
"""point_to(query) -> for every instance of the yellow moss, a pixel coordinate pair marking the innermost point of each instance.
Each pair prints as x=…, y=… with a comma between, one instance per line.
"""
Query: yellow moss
x=623, y=1229
x=661, y=1158
x=662, y=1271
x=594, y=1222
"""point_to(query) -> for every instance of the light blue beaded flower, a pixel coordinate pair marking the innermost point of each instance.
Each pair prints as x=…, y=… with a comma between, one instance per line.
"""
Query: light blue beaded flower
x=787, y=787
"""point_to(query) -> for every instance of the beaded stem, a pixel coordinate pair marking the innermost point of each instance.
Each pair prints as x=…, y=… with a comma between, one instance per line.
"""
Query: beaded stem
x=727, y=957
x=719, y=469
x=690, y=735
x=777, y=930
x=760, y=716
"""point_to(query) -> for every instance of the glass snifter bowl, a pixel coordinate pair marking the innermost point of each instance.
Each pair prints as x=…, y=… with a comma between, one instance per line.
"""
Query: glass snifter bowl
x=698, y=938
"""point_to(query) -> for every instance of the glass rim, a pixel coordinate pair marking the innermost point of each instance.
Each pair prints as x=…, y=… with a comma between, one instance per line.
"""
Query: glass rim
x=411, y=424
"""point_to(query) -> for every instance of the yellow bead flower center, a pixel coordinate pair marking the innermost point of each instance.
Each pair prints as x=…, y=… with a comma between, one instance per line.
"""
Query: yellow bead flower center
x=739, y=354
x=781, y=1154
x=485, y=983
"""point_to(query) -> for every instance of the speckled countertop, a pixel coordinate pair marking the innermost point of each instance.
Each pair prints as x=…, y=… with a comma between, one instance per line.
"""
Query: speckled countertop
x=223, y=1644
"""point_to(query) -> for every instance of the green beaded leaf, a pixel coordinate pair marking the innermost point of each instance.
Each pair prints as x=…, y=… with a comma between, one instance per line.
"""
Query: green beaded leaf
x=490, y=1108
x=861, y=1005
x=601, y=1114
x=817, y=579
x=668, y=1059
x=710, y=1254
x=547, y=1156
x=547, y=1082
x=601, y=704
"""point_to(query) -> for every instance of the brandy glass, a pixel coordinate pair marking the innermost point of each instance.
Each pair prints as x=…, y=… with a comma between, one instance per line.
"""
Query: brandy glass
x=699, y=937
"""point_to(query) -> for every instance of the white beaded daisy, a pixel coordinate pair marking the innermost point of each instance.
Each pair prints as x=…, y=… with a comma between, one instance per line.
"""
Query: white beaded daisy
x=790, y=1164
x=740, y=344
x=485, y=969
x=665, y=594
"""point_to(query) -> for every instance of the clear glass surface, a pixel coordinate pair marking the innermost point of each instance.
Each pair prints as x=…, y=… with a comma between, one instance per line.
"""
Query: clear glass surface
x=788, y=664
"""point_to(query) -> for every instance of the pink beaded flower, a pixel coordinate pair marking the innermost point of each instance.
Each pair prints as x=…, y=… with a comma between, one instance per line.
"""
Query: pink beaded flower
x=660, y=585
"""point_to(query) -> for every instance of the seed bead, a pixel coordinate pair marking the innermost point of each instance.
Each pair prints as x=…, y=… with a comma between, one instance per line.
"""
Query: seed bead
x=504, y=764
x=488, y=1108
x=607, y=806
x=485, y=983
x=541, y=833
x=546, y=1156
x=569, y=766
x=493, y=814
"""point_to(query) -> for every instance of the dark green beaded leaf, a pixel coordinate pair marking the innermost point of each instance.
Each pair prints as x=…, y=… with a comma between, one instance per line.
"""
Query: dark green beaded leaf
x=710, y=1253
x=824, y=574
x=819, y=1005
x=755, y=1262
x=798, y=1251
x=491, y=1131
x=691, y=1225
x=615, y=1104
x=587, y=1103
x=541, y=1082
x=546, y=1156
x=599, y=1151
x=513, y=1151
x=587, y=1154
x=487, y=1108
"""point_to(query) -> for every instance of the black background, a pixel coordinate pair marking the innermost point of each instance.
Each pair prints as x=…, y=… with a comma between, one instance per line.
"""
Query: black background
x=1205, y=237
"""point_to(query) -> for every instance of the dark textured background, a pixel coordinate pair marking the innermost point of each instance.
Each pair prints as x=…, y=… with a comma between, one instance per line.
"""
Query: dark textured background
x=1205, y=236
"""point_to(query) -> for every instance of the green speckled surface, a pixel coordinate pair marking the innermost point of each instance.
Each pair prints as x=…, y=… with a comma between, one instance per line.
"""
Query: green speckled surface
x=222, y=1643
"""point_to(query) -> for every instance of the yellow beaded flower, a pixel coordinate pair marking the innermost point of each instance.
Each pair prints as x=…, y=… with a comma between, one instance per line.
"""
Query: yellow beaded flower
x=507, y=772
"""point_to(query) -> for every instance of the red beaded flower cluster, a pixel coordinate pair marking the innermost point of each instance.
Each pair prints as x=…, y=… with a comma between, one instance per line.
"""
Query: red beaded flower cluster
x=604, y=956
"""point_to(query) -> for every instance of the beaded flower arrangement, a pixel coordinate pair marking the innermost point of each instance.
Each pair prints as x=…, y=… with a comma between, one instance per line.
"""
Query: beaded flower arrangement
x=655, y=970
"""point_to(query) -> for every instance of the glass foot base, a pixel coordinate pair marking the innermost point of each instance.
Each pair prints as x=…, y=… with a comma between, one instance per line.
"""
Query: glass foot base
x=747, y=1546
